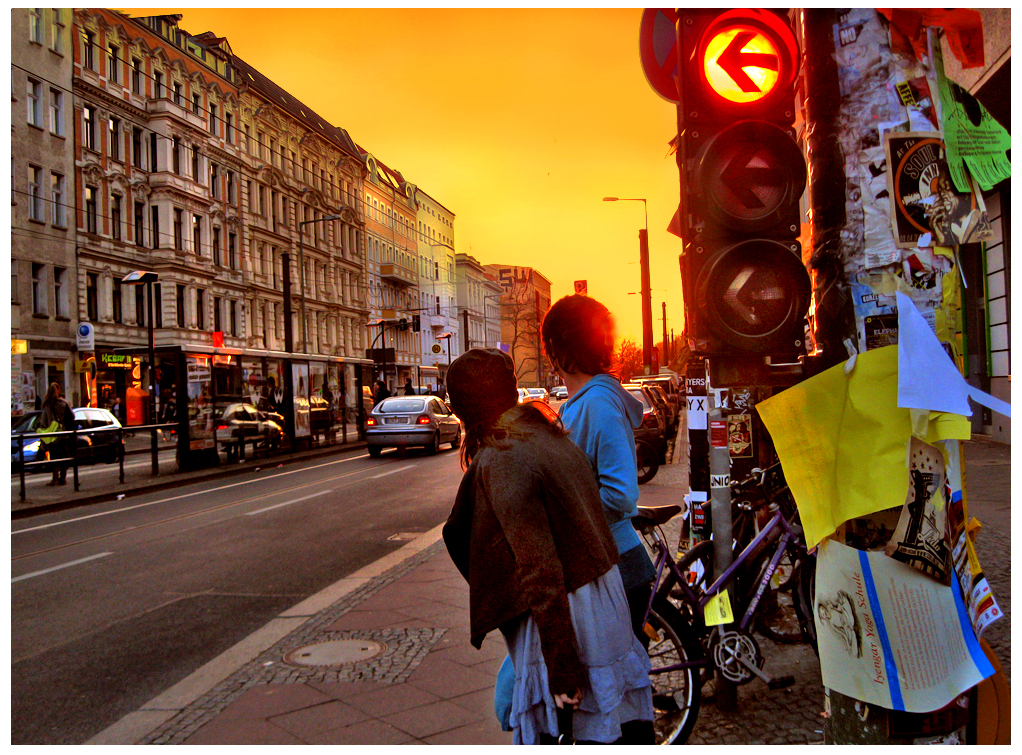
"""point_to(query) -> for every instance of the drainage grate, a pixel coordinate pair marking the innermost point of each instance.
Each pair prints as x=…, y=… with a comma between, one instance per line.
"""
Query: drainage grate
x=335, y=653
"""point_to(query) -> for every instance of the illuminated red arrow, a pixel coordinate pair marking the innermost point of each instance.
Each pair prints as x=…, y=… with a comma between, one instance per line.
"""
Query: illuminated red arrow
x=741, y=177
x=734, y=62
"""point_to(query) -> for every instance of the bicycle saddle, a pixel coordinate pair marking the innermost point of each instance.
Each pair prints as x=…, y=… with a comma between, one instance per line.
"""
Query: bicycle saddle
x=654, y=515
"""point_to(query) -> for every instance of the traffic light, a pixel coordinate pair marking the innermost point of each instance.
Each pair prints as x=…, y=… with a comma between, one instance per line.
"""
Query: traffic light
x=402, y=324
x=742, y=175
x=416, y=323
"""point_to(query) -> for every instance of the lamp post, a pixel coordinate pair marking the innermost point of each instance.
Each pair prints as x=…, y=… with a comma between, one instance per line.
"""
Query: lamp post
x=647, y=305
x=446, y=337
x=137, y=278
x=301, y=263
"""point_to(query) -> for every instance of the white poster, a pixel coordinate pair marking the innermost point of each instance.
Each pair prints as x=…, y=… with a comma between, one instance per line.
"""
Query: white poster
x=890, y=635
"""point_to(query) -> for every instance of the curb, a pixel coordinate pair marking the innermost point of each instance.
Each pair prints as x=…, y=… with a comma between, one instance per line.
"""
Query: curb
x=133, y=727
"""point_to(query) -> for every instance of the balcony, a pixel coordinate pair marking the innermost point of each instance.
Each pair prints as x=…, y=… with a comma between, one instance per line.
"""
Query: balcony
x=165, y=106
x=395, y=273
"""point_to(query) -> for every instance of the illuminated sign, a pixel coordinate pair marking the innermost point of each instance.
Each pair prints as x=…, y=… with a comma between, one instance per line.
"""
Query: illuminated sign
x=19, y=346
x=741, y=64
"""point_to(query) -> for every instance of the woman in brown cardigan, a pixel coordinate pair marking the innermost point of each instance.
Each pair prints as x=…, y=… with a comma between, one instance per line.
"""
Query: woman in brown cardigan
x=529, y=534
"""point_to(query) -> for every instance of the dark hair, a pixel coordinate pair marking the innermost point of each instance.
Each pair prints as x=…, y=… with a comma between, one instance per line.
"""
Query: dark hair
x=52, y=394
x=578, y=336
x=517, y=423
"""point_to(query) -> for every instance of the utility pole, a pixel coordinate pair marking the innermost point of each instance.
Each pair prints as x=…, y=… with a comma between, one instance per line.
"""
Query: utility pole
x=666, y=358
x=647, y=305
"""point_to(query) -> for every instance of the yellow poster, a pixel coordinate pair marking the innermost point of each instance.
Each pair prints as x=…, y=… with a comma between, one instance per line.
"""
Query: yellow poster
x=842, y=441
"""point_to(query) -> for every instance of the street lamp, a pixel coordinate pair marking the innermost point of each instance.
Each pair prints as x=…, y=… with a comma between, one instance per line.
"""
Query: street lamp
x=446, y=337
x=301, y=263
x=647, y=305
x=137, y=278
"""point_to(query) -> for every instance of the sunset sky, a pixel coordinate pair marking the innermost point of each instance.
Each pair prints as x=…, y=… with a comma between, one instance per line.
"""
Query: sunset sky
x=520, y=121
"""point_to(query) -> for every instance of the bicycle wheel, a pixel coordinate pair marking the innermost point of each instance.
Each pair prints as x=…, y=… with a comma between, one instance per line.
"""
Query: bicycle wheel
x=805, y=597
x=676, y=693
x=778, y=616
x=646, y=462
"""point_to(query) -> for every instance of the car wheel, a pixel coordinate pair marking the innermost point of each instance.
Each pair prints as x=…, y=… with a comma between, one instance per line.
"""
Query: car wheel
x=434, y=447
x=456, y=441
x=375, y=451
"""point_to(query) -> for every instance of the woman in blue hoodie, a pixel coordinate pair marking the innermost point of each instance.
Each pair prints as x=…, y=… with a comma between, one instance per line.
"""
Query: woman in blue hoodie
x=578, y=338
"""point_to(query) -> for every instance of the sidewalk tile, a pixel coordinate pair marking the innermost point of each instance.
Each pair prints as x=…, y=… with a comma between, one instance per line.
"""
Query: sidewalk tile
x=331, y=715
x=392, y=699
x=446, y=679
x=365, y=732
x=221, y=731
x=432, y=719
x=268, y=700
x=478, y=733
x=347, y=691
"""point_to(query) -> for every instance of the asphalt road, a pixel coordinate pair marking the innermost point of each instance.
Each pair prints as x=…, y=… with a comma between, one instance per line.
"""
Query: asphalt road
x=112, y=604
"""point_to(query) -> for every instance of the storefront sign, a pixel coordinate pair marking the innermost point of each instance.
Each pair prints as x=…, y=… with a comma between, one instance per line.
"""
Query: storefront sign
x=115, y=361
x=19, y=346
x=86, y=337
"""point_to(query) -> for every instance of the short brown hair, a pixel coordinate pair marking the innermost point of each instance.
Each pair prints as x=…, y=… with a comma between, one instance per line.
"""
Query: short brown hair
x=578, y=334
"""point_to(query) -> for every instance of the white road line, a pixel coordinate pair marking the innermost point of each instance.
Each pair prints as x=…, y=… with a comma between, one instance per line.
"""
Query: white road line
x=184, y=495
x=393, y=471
x=288, y=503
x=62, y=566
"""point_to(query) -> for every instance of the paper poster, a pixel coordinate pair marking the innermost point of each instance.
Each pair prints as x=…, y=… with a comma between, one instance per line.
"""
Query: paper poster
x=923, y=198
x=876, y=317
x=891, y=636
x=975, y=140
x=739, y=435
x=879, y=247
x=842, y=441
x=300, y=378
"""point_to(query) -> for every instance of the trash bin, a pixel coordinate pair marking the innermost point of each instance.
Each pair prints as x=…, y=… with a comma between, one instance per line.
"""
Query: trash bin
x=137, y=406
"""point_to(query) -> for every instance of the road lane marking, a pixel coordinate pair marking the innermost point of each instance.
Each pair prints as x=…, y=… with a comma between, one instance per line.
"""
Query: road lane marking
x=393, y=471
x=288, y=503
x=61, y=566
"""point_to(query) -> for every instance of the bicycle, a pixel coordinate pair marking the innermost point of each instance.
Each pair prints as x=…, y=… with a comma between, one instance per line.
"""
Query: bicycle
x=647, y=461
x=682, y=644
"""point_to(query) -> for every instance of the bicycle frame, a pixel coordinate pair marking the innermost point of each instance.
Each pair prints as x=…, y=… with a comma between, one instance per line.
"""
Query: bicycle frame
x=665, y=561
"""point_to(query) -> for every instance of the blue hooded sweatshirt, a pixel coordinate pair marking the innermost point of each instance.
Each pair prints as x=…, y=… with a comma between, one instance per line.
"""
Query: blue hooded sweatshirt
x=599, y=419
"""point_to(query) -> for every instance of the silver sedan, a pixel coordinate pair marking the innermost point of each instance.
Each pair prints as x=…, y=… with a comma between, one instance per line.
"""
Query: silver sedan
x=402, y=421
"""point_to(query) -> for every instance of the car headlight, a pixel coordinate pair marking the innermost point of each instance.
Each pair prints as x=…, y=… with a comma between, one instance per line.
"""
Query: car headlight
x=33, y=447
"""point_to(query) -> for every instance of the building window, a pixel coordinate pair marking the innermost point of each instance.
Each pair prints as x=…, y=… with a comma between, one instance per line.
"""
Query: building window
x=158, y=84
x=158, y=304
x=152, y=153
x=112, y=62
x=248, y=139
x=38, y=288
x=216, y=247
x=178, y=98
x=217, y=325
x=176, y=156
x=154, y=227
x=136, y=76
x=35, y=194
x=136, y=147
x=139, y=223
x=180, y=305
x=232, y=196
x=196, y=162
x=115, y=216
x=140, y=305
x=114, y=147
x=118, y=310
x=89, y=132
x=91, y=209
x=179, y=230
x=197, y=235
x=56, y=112
x=234, y=317
x=212, y=119
x=35, y=103
x=88, y=46
x=35, y=25
x=196, y=103
x=214, y=180
x=92, y=296
x=229, y=126
x=200, y=309
x=232, y=251
x=57, y=198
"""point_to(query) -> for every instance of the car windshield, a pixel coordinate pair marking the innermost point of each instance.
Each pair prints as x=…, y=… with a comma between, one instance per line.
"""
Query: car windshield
x=536, y=391
x=401, y=406
x=25, y=425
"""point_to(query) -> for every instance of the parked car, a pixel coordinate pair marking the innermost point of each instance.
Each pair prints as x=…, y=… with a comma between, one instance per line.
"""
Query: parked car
x=97, y=447
x=538, y=394
x=403, y=421
x=559, y=392
x=653, y=428
x=523, y=396
x=669, y=405
x=243, y=421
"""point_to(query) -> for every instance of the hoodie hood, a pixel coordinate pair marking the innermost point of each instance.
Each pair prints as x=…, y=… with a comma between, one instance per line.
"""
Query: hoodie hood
x=609, y=386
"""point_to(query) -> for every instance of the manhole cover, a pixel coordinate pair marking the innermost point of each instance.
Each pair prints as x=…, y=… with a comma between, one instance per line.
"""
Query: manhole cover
x=335, y=653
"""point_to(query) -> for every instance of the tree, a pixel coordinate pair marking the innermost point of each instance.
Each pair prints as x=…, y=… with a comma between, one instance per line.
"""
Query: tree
x=629, y=360
x=521, y=328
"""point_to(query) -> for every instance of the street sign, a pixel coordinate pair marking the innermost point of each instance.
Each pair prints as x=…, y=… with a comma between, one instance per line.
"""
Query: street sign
x=19, y=346
x=581, y=287
x=435, y=348
x=658, y=51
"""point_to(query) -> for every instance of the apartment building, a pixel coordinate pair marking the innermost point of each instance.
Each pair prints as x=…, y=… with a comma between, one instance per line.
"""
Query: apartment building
x=524, y=304
x=44, y=291
x=437, y=282
x=478, y=304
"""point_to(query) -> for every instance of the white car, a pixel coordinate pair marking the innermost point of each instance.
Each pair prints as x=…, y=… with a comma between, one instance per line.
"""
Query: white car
x=538, y=394
x=402, y=421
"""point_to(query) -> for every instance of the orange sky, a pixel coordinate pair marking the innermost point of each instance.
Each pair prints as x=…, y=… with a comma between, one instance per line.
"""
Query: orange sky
x=520, y=121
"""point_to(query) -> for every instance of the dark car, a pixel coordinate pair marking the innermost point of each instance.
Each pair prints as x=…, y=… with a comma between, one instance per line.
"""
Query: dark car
x=666, y=403
x=402, y=421
x=243, y=421
x=653, y=428
x=102, y=446
x=559, y=392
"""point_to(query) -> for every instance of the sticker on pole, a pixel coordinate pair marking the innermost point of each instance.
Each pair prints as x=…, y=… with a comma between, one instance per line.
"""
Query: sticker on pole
x=720, y=480
x=718, y=610
x=718, y=433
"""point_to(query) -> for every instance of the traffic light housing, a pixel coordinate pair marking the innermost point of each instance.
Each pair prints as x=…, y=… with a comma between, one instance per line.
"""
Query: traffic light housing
x=742, y=176
x=402, y=324
x=416, y=323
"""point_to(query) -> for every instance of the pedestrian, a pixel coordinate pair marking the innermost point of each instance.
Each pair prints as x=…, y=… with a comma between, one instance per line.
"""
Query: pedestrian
x=528, y=533
x=409, y=388
x=169, y=415
x=117, y=409
x=440, y=389
x=381, y=392
x=57, y=416
x=599, y=415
